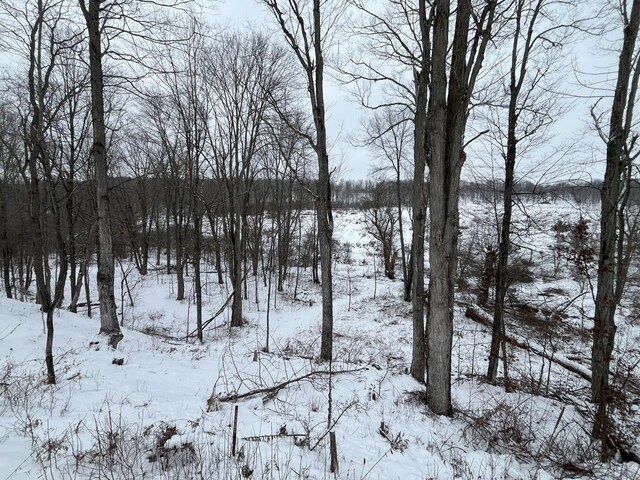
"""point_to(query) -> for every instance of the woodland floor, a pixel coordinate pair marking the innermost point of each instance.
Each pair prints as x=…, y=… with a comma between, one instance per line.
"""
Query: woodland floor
x=161, y=407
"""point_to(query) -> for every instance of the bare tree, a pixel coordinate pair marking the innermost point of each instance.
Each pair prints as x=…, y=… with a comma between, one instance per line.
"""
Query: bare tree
x=447, y=118
x=10, y=167
x=244, y=74
x=186, y=96
x=382, y=221
x=92, y=11
x=125, y=28
x=72, y=137
x=307, y=40
x=138, y=204
x=47, y=36
x=400, y=35
x=537, y=36
x=389, y=135
x=284, y=163
x=614, y=196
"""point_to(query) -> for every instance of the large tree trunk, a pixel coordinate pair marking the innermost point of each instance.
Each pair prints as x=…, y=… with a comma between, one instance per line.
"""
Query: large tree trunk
x=604, y=328
x=447, y=122
x=108, y=318
x=439, y=322
x=447, y=115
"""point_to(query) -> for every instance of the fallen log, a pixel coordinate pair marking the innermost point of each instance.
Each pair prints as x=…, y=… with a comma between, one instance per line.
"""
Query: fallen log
x=626, y=452
x=85, y=304
x=569, y=362
x=481, y=317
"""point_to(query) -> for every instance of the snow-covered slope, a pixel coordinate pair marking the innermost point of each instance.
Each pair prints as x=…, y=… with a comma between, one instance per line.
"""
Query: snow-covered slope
x=168, y=410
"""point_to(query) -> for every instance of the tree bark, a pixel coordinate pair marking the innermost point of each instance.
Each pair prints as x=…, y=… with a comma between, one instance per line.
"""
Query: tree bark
x=439, y=322
x=604, y=328
x=407, y=266
x=420, y=160
x=236, y=237
x=5, y=251
x=108, y=318
x=448, y=109
x=325, y=215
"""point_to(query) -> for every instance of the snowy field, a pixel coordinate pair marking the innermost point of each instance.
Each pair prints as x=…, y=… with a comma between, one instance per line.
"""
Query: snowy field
x=162, y=407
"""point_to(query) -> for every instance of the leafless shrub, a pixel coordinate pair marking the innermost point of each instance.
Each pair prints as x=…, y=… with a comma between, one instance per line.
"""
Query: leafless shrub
x=506, y=427
x=118, y=450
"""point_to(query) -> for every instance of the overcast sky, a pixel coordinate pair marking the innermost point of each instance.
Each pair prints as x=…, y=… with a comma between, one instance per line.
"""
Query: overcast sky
x=345, y=117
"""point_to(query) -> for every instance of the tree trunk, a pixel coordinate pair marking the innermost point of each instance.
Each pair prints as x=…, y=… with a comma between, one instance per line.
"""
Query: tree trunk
x=421, y=80
x=37, y=208
x=488, y=274
x=179, y=260
x=167, y=220
x=446, y=129
x=447, y=116
x=518, y=69
x=314, y=249
x=87, y=289
x=325, y=215
x=69, y=187
x=4, y=248
x=108, y=318
x=604, y=328
x=407, y=268
x=197, y=279
x=498, y=334
x=236, y=268
x=197, y=251
x=217, y=250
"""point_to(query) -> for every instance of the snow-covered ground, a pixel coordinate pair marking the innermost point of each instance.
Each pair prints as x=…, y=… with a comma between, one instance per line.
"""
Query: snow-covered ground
x=167, y=411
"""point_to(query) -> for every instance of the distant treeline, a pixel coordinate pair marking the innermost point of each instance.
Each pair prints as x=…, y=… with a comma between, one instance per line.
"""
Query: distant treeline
x=357, y=193
x=155, y=219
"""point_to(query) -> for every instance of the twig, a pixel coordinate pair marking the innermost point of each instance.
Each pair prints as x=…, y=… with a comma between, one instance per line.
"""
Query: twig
x=553, y=434
x=335, y=422
x=216, y=315
x=12, y=330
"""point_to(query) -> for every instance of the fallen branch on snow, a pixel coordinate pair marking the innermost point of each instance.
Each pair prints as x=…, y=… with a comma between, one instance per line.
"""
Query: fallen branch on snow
x=477, y=315
x=216, y=315
x=481, y=317
x=232, y=397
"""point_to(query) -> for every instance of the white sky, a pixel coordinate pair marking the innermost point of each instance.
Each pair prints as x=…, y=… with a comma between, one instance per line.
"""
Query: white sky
x=344, y=117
